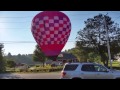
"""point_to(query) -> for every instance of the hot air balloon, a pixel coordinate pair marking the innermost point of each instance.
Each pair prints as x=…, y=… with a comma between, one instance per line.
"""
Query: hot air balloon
x=51, y=30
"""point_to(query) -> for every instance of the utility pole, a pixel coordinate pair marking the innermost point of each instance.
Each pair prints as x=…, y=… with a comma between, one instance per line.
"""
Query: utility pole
x=108, y=46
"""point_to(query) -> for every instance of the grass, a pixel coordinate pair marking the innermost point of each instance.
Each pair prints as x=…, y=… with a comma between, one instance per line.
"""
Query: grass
x=115, y=64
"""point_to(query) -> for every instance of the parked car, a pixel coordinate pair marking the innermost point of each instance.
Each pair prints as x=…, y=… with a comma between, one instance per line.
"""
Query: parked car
x=88, y=71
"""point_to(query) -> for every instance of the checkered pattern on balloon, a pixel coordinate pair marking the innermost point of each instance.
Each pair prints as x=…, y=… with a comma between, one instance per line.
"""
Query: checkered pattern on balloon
x=51, y=31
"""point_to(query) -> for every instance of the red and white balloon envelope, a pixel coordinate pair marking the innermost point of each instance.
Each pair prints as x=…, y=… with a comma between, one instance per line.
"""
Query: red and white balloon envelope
x=51, y=30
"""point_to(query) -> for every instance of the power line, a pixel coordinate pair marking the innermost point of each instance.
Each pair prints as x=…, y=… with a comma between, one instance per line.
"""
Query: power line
x=15, y=28
x=67, y=14
x=33, y=16
x=12, y=42
x=27, y=41
x=16, y=22
x=31, y=21
x=18, y=17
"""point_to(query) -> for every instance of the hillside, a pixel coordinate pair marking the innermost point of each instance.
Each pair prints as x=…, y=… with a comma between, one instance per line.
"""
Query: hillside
x=27, y=59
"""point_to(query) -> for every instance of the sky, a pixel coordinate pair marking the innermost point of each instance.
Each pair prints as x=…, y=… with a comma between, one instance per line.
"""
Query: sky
x=15, y=29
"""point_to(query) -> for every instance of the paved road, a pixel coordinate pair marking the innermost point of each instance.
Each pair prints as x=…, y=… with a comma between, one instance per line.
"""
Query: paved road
x=53, y=75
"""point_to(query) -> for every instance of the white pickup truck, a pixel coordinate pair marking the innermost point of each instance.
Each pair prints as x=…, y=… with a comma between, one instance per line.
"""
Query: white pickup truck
x=88, y=71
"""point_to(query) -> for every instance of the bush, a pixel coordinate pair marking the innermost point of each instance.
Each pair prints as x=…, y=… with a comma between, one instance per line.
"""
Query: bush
x=47, y=68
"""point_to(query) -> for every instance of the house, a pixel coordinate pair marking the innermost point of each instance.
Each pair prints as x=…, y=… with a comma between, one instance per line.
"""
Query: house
x=66, y=57
x=62, y=58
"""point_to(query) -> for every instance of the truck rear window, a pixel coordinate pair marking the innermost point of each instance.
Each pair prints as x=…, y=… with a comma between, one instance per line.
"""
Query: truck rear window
x=71, y=67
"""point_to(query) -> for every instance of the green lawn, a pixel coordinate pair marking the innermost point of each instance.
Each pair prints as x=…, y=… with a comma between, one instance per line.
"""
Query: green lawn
x=115, y=64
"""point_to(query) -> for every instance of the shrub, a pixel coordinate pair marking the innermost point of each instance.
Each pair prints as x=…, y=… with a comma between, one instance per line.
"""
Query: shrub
x=47, y=68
